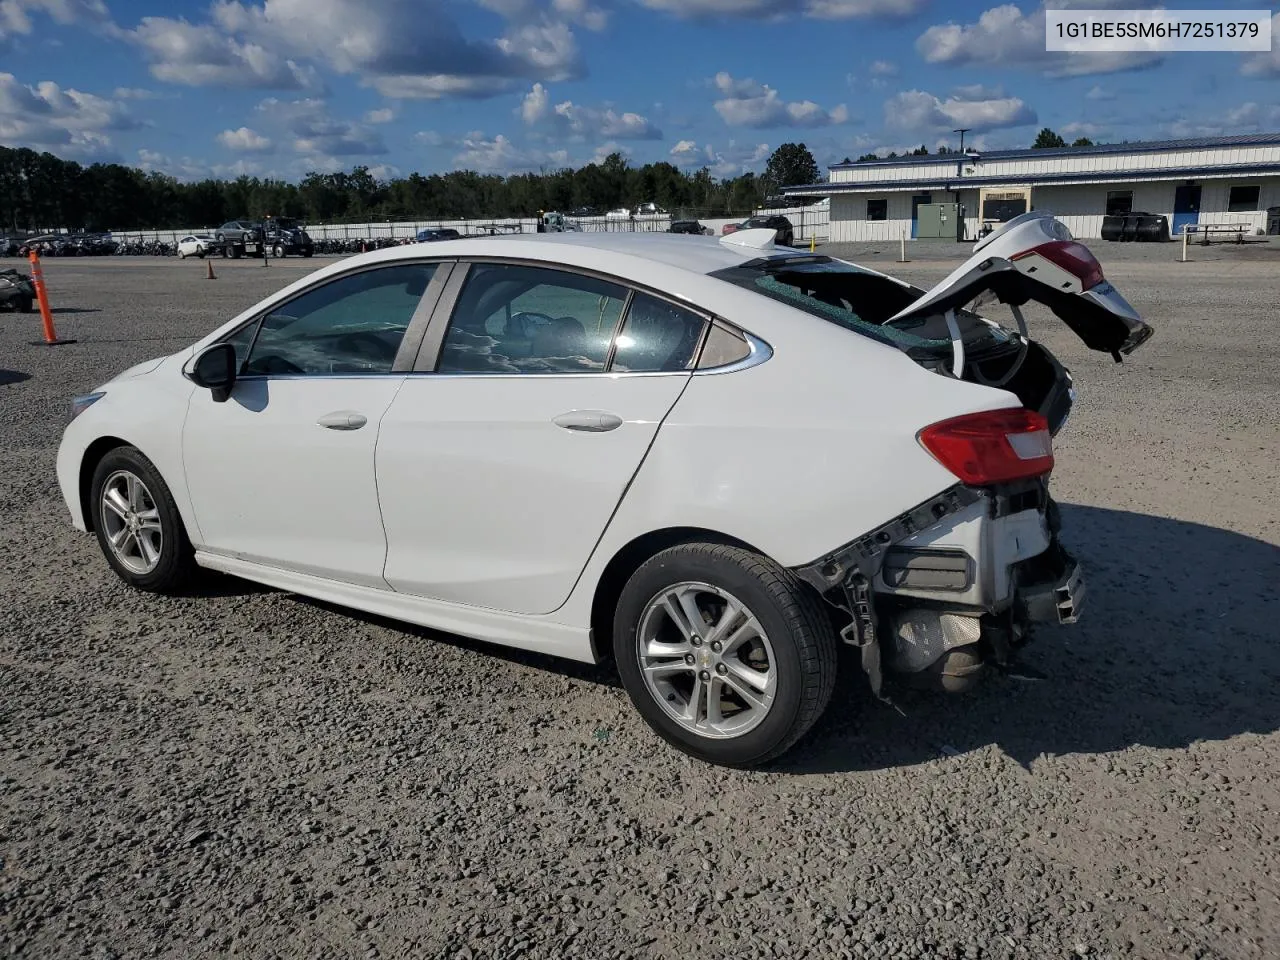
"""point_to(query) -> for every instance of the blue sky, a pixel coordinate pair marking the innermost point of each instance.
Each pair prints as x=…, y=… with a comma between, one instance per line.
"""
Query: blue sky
x=280, y=87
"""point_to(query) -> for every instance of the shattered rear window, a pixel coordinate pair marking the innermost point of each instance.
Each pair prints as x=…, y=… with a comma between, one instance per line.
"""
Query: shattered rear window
x=855, y=299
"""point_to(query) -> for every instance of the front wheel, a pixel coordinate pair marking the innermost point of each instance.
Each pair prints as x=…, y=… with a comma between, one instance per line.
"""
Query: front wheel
x=726, y=655
x=278, y=250
x=137, y=523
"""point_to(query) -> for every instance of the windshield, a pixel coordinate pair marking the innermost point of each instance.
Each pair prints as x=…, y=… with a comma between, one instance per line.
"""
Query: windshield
x=858, y=300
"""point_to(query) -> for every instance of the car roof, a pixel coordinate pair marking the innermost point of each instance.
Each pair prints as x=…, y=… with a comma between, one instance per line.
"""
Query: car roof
x=690, y=253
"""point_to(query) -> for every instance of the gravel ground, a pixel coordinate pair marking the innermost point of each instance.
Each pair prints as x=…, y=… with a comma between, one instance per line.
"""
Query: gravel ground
x=247, y=773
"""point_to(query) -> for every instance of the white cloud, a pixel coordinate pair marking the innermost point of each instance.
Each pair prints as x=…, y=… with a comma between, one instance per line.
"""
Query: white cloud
x=918, y=110
x=786, y=9
x=404, y=49
x=201, y=56
x=1098, y=92
x=66, y=121
x=384, y=115
x=1082, y=128
x=578, y=122
x=17, y=16
x=500, y=155
x=316, y=133
x=1007, y=36
x=1265, y=64
x=134, y=93
x=732, y=161
x=1251, y=117
x=747, y=103
x=244, y=140
x=192, y=168
x=883, y=68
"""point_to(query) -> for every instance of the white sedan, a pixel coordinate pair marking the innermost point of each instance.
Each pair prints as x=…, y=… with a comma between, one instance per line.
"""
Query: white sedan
x=714, y=460
x=194, y=245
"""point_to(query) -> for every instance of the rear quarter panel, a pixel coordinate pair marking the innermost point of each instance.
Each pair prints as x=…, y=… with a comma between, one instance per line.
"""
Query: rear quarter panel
x=798, y=455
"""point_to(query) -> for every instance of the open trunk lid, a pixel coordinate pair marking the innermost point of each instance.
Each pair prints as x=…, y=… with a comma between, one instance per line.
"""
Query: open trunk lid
x=1034, y=258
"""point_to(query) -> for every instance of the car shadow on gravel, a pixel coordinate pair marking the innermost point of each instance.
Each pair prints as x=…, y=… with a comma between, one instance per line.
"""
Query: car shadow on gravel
x=603, y=674
x=1178, y=644
x=12, y=376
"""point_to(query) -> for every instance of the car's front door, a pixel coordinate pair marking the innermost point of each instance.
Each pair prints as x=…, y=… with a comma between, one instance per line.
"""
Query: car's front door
x=282, y=472
x=499, y=470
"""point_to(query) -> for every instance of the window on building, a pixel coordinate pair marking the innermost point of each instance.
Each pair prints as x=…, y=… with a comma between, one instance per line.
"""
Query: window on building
x=1119, y=202
x=878, y=209
x=1243, y=199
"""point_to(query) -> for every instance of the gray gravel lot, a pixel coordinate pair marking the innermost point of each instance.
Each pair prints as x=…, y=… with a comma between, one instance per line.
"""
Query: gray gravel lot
x=243, y=772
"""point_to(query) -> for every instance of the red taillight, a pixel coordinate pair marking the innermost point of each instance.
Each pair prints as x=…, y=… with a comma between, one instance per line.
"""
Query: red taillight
x=995, y=446
x=1075, y=258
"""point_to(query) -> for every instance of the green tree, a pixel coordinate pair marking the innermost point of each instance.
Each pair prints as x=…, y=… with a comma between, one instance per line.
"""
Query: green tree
x=790, y=165
x=868, y=156
x=1082, y=142
x=1047, y=138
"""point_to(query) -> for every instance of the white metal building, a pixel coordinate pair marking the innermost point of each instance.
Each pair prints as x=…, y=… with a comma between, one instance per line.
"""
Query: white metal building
x=1220, y=180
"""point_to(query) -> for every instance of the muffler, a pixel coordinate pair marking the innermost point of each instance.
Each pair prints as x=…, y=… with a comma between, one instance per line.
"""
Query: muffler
x=936, y=650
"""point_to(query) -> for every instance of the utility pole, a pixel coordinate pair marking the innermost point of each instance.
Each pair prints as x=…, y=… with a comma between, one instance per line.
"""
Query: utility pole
x=959, y=167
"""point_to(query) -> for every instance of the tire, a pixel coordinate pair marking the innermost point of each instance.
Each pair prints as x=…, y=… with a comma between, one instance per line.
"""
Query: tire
x=278, y=250
x=24, y=304
x=236, y=252
x=798, y=649
x=173, y=564
x=181, y=255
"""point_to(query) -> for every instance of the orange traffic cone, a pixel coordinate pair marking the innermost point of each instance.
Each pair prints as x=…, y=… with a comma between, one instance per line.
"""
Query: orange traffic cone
x=209, y=263
x=42, y=297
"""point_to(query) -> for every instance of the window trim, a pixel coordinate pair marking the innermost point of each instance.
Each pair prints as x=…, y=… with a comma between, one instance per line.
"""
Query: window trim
x=428, y=355
x=1257, y=200
x=1106, y=203
x=871, y=219
x=409, y=343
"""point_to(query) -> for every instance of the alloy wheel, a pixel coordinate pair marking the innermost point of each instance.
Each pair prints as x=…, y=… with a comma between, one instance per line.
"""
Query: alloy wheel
x=706, y=660
x=131, y=520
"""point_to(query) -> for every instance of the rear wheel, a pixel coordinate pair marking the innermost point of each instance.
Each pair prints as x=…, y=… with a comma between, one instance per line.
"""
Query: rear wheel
x=725, y=654
x=137, y=523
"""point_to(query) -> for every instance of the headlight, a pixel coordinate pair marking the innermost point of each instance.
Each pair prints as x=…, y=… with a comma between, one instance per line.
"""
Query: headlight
x=82, y=403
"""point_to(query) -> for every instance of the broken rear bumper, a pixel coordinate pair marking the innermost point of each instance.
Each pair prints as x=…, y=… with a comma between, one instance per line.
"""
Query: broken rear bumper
x=1055, y=592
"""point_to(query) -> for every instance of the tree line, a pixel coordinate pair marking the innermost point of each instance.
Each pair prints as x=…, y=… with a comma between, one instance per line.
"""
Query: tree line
x=39, y=191
x=1045, y=139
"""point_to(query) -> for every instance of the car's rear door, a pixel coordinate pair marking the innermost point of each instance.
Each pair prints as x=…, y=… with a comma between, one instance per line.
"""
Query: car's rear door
x=500, y=462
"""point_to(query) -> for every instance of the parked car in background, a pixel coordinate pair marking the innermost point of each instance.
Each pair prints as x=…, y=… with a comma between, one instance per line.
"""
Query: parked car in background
x=238, y=238
x=17, y=292
x=194, y=245
x=689, y=226
x=781, y=226
x=528, y=442
x=437, y=233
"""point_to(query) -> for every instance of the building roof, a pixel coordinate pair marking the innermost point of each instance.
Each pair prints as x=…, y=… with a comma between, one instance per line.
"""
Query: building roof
x=1136, y=146
x=950, y=180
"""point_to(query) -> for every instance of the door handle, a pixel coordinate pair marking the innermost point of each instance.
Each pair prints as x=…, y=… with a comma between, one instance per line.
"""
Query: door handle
x=343, y=420
x=588, y=421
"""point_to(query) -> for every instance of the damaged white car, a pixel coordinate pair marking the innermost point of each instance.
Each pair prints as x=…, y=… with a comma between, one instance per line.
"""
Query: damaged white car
x=713, y=460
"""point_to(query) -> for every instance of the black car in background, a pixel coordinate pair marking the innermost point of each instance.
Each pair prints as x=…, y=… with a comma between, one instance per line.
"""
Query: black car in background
x=688, y=226
x=785, y=232
x=439, y=233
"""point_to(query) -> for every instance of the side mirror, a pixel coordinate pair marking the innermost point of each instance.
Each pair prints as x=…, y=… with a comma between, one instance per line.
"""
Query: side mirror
x=214, y=368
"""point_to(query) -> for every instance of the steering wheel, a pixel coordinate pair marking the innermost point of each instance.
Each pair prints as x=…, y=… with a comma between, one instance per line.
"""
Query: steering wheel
x=368, y=344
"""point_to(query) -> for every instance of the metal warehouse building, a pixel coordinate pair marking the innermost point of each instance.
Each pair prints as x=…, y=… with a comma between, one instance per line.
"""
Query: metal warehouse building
x=1207, y=180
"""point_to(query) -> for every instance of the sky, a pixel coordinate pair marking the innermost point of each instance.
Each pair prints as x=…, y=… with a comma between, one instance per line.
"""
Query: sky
x=283, y=87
